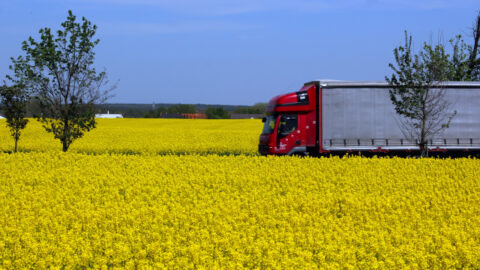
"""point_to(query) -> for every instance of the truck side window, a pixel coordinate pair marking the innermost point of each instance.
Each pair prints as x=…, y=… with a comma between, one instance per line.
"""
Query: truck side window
x=287, y=125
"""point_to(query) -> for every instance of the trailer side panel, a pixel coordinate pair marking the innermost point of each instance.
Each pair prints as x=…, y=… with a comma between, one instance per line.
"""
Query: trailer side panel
x=364, y=118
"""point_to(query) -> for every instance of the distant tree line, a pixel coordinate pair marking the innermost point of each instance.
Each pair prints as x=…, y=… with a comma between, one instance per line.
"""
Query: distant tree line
x=257, y=108
x=212, y=112
x=174, y=109
x=217, y=113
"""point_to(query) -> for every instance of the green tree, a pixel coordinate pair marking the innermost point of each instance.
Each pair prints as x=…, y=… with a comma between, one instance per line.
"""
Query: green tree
x=58, y=71
x=14, y=100
x=217, y=113
x=257, y=108
x=173, y=109
x=416, y=90
x=150, y=114
x=260, y=107
x=161, y=111
x=460, y=69
x=182, y=108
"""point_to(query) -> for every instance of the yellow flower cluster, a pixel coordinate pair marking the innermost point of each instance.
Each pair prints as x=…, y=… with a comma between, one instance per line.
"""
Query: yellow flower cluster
x=99, y=206
x=207, y=211
x=148, y=136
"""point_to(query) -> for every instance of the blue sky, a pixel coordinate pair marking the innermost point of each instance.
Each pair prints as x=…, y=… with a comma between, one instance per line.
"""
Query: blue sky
x=237, y=52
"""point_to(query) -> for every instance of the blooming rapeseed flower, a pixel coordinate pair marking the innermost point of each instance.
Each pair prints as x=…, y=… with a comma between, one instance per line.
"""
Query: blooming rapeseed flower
x=110, y=210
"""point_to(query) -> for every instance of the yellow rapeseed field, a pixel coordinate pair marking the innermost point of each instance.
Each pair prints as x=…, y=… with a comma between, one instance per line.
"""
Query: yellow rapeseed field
x=148, y=136
x=113, y=203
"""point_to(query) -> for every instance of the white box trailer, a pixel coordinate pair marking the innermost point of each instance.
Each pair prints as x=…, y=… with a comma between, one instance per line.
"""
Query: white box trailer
x=360, y=116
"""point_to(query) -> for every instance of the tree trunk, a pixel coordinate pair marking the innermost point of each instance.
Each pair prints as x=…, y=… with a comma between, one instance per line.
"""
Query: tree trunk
x=65, y=145
x=424, y=149
x=65, y=135
x=424, y=145
x=16, y=142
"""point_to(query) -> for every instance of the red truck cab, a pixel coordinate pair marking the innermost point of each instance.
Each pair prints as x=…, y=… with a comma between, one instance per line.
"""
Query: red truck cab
x=290, y=123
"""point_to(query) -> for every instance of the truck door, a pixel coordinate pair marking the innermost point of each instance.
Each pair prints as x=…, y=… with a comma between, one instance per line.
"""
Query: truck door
x=288, y=135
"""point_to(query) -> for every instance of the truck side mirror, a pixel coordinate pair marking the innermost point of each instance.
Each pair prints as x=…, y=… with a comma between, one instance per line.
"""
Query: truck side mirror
x=264, y=119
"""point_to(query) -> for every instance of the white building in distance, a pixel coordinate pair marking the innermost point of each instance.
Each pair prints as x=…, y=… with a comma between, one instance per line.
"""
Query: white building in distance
x=108, y=115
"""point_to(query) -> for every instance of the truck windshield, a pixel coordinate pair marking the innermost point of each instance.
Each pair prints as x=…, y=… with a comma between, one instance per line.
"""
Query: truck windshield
x=269, y=125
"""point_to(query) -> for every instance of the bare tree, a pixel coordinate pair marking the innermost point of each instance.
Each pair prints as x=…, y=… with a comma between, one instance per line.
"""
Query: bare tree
x=417, y=91
x=58, y=71
x=434, y=117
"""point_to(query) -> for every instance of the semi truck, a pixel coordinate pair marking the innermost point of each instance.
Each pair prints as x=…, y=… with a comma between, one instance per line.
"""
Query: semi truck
x=336, y=117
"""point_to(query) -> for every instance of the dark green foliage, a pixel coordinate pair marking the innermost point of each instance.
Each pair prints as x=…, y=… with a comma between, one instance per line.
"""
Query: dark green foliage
x=171, y=110
x=217, y=113
x=58, y=71
x=181, y=108
x=141, y=110
x=257, y=108
x=459, y=69
x=14, y=105
x=151, y=114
